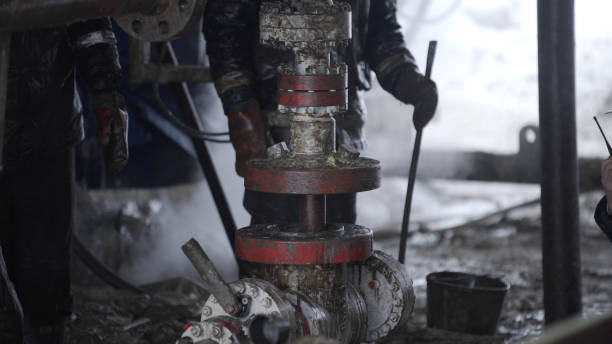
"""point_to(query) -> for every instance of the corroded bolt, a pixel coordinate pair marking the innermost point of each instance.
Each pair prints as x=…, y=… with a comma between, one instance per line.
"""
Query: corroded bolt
x=207, y=311
x=244, y=301
x=374, y=284
x=277, y=151
x=164, y=27
x=347, y=153
x=216, y=332
x=267, y=302
x=196, y=330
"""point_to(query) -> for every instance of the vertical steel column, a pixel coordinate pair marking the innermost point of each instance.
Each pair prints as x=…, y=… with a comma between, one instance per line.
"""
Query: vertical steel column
x=5, y=47
x=312, y=213
x=559, y=185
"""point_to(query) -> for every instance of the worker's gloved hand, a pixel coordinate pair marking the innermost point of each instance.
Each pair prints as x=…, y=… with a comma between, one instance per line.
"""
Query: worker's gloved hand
x=247, y=133
x=421, y=92
x=606, y=181
x=112, y=119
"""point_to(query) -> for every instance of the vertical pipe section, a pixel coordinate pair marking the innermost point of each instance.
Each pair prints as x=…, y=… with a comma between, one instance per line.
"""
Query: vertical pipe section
x=559, y=163
x=312, y=213
x=191, y=118
x=5, y=47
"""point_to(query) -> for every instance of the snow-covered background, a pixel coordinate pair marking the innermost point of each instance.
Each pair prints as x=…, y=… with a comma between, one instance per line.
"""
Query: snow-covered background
x=486, y=71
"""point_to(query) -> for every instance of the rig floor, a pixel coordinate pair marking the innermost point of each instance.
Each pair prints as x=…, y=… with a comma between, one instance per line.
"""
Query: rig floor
x=508, y=245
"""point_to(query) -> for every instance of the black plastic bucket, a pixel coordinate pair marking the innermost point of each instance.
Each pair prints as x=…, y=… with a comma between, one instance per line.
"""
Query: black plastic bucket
x=463, y=302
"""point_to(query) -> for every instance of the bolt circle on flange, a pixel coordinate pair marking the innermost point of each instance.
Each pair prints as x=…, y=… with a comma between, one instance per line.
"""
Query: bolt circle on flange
x=173, y=20
x=328, y=175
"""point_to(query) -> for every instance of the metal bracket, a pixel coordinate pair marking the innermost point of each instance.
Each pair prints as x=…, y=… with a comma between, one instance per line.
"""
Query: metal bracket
x=143, y=71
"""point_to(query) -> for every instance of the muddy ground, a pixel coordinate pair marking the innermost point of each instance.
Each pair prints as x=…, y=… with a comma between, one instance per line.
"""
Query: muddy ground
x=508, y=244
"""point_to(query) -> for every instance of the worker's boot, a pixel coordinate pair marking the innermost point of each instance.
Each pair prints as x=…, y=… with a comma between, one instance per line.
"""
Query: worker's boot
x=11, y=314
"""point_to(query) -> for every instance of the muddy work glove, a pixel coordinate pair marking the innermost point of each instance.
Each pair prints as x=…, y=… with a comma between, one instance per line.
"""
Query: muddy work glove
x=417, y=90
x=247, y=133
x=411, y=87
x=112, y=120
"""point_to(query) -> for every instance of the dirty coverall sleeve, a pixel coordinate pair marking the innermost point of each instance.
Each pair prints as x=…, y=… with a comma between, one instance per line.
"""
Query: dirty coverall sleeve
x=231, y=31
x=386, y=50
x=95, y=48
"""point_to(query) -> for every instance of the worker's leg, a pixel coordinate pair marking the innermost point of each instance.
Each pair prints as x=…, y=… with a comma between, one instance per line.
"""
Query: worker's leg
x=43, y=206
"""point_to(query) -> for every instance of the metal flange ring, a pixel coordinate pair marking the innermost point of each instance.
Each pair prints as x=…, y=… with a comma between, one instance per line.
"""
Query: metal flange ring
x=263, y=244
x=295, y=176
x=174, y=19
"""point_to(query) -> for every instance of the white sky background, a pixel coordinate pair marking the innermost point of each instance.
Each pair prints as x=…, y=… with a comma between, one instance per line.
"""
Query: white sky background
x=486, y=71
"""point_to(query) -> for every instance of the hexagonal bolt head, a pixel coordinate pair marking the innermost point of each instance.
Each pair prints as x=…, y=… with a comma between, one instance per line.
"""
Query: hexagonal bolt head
x=347, y=153
x=277, y=151
x=196, y=330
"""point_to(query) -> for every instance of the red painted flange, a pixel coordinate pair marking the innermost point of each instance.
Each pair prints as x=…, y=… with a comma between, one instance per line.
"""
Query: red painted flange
x=314, y=99
x=264, y=244
x=364, y=175
x=313, y=82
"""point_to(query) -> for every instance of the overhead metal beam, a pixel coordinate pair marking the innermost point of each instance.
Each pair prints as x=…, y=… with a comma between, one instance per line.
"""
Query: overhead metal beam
x=559, y=160
x=17, y=15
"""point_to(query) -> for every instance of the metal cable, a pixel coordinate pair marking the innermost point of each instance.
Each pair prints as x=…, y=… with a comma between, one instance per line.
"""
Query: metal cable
x=177, y=122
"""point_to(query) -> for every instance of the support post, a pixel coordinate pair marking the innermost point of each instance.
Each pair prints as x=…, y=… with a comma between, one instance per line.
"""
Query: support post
x=5, y=47
x=559, y=185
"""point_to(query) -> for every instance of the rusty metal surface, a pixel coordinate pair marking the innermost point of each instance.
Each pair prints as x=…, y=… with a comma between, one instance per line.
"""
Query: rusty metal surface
x=387, y=289
x=313, y=82
x=313, y=135
x=275, y=244
x=320, y=175
x=18, y=15
x=324, y=284
x=263, y=300
x=312, y=215
x=308, y=24
x=172, y=19
x=312, y=99
x=215, y=284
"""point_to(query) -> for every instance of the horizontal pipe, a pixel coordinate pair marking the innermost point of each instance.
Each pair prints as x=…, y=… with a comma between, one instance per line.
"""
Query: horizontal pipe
x=20, y=15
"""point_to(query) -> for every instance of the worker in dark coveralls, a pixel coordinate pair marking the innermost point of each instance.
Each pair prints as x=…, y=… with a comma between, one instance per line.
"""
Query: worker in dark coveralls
x=245, y=78
x=603, y=212
x=43, y=123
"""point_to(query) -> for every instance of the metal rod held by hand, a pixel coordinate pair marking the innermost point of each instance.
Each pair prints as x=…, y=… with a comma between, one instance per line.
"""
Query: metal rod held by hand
x=214, y=283
x=431, y=54
x=604, y=135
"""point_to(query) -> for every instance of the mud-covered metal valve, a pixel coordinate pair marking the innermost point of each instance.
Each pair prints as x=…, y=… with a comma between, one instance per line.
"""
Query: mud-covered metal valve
x=232, y=304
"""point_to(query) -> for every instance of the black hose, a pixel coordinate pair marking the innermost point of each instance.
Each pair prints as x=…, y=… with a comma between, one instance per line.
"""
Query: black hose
x=100, y=270
x=193, y=132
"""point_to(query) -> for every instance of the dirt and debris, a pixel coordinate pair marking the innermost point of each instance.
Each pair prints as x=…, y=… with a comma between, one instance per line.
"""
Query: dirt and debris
x=508, y=244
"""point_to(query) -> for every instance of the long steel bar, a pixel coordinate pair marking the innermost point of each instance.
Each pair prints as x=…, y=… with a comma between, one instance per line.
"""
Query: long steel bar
x=214, y=283
x=17, y=15
x=431, y=53
x=559, y=161
x=190, y=116
x=312, y=213
x=5, y=47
